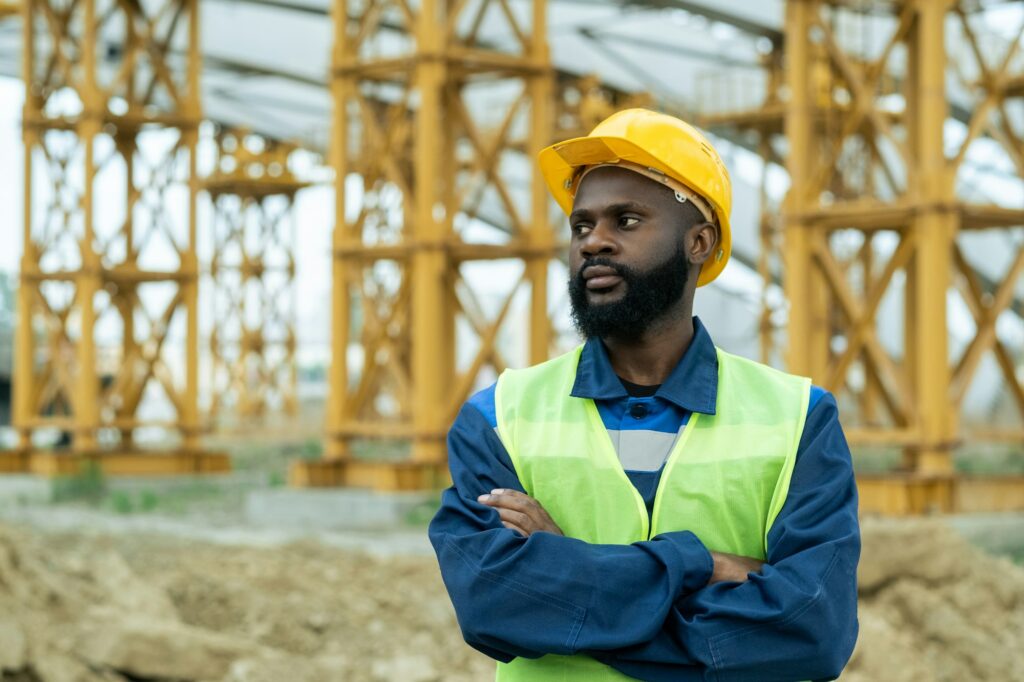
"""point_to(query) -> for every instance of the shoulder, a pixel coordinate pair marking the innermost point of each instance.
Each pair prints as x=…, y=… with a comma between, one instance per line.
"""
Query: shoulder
x=818, y=396
x=739, y=372
x=557, y=373
x=544, y=369
x=743, y=364
x=822, y=397
x=823, y=432
x=483, y=402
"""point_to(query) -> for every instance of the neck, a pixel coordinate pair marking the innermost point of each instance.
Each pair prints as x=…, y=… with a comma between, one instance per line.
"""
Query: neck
x=650, y=358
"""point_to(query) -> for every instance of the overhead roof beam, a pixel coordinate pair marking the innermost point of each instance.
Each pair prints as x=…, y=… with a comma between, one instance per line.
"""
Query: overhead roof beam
x=746, y=25
x=287, y=6
x=669, y=48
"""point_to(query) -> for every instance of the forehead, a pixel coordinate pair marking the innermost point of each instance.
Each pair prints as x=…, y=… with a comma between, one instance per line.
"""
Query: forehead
x=609, y=185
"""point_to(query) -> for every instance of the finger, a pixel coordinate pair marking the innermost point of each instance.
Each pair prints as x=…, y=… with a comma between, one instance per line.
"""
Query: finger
x=512, y=526
x=518, y=518
x=510, y=492
x=522, y=503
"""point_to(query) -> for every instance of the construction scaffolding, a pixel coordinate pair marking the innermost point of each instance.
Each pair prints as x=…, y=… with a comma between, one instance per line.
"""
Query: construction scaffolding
x=866, y=152
x=750, y=108
x=435, y=128
x=107, y=334
x=873, y=195
x=252, y=268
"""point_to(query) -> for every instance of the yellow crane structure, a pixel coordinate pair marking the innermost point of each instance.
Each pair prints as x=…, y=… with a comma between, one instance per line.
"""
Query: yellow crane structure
x=868, y=163
x=853, y=124
x=252, y=268
x=723, y=108
x=428, y=112
x=107, y=302
x=438, y=111
x=861, y=170
x=866, y=140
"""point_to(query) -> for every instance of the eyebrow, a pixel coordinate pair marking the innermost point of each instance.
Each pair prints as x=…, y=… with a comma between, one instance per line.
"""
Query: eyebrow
x=612, y=208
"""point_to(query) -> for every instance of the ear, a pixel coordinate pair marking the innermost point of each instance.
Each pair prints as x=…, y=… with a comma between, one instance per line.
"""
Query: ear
x=701, y=242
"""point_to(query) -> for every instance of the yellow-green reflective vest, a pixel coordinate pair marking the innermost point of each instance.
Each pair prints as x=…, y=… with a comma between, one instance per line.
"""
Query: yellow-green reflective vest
x=725, y=480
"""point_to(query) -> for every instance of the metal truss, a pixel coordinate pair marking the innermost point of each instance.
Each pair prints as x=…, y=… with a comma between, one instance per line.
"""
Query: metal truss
x=252, y=267
x=878, y=210
x=107, y=301
x=431, y=122
x=583, y=102
x=726, y=108
x=881, y=210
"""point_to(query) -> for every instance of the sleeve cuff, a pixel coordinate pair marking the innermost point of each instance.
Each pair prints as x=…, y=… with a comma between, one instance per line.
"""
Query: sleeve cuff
x=694, y=561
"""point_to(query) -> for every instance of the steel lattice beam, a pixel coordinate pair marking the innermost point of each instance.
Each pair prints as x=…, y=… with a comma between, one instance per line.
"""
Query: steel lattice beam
x=857, y=168
x=409, y=122
x=252, y=267
x=119, y=129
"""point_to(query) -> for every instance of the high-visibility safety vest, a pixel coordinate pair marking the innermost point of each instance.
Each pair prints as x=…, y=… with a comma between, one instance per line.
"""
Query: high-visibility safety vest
x=725, y=480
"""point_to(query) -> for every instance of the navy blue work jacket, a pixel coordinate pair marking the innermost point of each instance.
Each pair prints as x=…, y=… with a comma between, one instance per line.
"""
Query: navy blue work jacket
x=646, y=609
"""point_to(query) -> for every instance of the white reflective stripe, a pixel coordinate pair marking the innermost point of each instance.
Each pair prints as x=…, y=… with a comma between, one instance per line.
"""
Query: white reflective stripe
x=642, y=450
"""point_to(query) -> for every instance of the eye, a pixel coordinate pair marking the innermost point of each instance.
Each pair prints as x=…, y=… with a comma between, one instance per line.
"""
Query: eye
x=580, y=229
x=628, y=221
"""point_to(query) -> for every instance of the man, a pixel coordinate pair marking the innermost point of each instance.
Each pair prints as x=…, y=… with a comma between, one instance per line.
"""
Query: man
x=648, y=506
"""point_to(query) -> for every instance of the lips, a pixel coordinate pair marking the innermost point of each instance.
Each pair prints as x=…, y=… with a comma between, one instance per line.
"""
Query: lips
x=601, y=277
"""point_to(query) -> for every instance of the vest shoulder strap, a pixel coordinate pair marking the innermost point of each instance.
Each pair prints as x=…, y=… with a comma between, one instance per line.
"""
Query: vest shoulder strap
x=530, y=387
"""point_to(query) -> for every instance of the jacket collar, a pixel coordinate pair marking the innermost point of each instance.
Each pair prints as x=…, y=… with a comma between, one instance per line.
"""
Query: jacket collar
x=692, y=384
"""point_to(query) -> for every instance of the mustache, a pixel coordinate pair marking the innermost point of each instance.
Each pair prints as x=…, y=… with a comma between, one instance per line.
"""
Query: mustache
x=620, y=270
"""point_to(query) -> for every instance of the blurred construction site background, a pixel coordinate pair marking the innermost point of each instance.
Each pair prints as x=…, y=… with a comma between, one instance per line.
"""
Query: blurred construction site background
x=255, y=254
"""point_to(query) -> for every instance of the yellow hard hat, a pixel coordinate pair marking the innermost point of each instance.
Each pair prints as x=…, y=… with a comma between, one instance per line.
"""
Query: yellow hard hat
x=659, y=146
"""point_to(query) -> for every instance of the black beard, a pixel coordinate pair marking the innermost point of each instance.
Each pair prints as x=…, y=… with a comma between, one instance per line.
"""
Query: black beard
x=649, y=297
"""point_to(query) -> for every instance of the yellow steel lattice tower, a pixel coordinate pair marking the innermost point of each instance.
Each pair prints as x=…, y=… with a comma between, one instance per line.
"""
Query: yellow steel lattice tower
x=252, y=343
x=752, y=107
x=439, y=109
x=106, y=342
x=881, y=207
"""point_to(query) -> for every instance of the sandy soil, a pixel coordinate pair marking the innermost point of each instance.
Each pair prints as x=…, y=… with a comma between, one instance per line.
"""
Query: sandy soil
x=132, y=606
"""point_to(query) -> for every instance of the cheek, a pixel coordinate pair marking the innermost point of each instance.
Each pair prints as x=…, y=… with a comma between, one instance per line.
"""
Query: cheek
x=658, y=248
x=575, y=258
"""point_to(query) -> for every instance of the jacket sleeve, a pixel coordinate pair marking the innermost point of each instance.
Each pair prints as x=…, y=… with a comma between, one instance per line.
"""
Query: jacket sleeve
x=797, y=618
x=516, y=596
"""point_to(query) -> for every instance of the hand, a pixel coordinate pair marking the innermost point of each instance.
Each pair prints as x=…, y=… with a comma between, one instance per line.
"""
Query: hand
x=520, y=512
x=733, y=568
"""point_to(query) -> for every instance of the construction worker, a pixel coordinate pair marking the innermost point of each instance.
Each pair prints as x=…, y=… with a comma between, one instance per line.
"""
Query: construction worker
x=648, y=506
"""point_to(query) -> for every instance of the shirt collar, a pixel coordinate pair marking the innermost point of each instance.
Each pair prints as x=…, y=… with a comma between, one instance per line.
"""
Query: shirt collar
x=692, y=384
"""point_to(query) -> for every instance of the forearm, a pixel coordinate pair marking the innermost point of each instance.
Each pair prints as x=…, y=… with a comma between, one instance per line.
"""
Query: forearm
x=795, y=619
x=552, y=594
x=517, y=596
x=782, y=624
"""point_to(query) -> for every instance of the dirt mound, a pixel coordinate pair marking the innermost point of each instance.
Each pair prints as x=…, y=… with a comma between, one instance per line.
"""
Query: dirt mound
x=77, y=608
x=79, y=613
x=935, y=609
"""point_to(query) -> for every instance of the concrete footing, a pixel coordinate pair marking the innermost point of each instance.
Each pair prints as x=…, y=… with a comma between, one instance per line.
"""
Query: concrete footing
x=333, y=508
x=18, y=490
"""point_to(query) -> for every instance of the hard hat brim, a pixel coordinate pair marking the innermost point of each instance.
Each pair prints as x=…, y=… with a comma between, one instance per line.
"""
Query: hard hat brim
x=558, y=164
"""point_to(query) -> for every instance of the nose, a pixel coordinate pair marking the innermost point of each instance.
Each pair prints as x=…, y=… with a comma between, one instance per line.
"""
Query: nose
x=599, y=241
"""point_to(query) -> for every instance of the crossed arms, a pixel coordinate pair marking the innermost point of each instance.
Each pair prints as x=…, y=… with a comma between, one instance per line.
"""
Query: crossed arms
x=661, y=609
x=523, y=514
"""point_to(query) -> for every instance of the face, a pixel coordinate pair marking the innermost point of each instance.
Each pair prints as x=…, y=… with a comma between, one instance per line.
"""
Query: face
x=631, y=253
